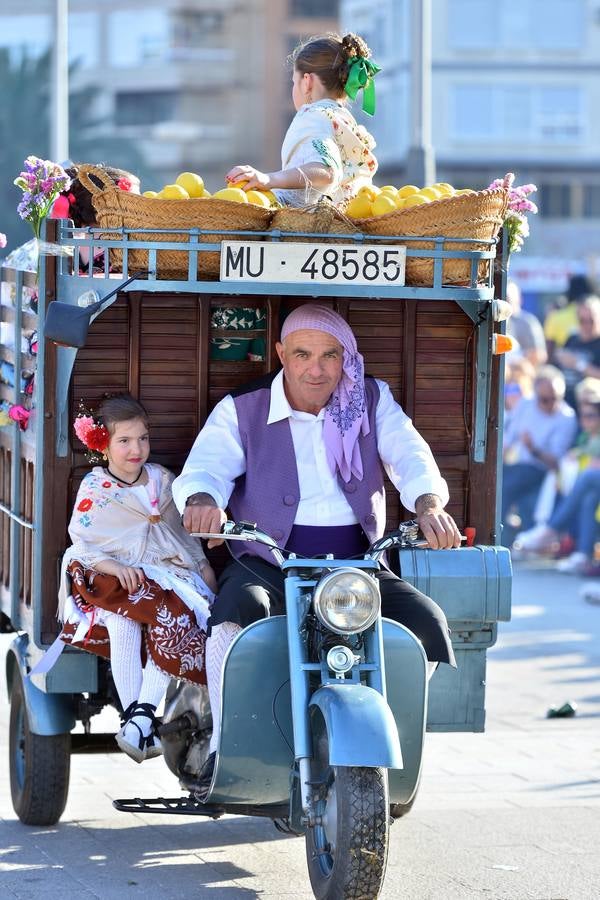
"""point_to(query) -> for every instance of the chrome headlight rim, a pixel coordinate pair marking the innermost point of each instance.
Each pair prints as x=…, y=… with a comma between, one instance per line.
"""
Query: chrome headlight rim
x=319, y=596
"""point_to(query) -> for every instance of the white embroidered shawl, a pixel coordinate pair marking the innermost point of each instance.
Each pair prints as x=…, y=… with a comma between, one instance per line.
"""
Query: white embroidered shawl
x=113, y=522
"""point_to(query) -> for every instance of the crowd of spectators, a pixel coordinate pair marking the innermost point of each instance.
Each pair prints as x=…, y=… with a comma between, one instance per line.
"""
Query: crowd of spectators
x=551, y=471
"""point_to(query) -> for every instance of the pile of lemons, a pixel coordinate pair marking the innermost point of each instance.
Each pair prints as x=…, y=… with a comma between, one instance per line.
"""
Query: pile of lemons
x=189, y=185
x=375, y=201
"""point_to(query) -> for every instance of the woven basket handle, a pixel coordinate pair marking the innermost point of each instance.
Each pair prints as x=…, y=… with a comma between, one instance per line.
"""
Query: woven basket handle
x=83, y=173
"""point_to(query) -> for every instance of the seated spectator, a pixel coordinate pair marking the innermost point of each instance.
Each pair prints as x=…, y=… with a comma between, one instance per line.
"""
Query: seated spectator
x=525, y=328
x=561, y=323
x=541, y=430
x=588, y=390
x=575, y=514
x=519, y=376
x=580, y=355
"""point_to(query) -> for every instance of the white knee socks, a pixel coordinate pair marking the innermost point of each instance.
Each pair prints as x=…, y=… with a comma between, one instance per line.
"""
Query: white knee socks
x=217, y=646
x=125, y=660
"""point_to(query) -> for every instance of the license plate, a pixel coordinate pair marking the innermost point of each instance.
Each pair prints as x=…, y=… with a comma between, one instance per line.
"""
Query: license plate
x=312, y=263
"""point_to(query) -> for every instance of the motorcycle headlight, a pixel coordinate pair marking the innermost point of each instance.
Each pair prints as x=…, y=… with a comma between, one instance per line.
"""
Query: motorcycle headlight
x=347, y=601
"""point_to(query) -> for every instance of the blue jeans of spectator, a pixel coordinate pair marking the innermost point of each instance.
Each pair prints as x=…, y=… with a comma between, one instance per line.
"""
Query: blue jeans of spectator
x=521, y=483
x=576, y=514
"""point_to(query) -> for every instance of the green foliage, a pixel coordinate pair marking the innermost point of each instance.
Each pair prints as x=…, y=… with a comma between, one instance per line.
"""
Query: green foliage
x=25, y=111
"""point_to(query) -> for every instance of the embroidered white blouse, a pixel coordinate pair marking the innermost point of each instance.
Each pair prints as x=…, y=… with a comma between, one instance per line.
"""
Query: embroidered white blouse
x=326, y=132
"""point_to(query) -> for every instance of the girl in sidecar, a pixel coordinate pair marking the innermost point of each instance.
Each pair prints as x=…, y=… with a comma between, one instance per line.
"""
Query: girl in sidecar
x=132, y=572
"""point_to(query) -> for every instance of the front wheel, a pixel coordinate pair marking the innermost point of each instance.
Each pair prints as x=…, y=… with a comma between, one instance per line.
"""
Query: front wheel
x=39, y=766
x=347, y=849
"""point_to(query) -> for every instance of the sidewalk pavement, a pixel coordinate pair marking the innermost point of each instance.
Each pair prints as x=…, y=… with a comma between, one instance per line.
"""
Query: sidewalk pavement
x=513, y=814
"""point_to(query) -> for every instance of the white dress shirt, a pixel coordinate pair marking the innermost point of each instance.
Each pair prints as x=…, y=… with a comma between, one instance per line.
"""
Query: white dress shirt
x=217, y=459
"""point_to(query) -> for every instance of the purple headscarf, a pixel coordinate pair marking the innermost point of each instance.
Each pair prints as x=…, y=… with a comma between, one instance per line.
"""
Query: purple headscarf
x=346, y=412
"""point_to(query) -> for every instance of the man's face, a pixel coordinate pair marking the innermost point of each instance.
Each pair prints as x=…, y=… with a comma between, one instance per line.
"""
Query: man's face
x=312, y=366
x=548, y=398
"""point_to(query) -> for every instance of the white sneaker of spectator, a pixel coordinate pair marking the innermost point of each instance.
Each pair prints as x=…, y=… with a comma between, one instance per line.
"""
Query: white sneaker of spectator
x=538, y=539
x=573, y=564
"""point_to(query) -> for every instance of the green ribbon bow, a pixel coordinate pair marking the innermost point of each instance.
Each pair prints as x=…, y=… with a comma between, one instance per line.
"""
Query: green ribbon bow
x=361, y=72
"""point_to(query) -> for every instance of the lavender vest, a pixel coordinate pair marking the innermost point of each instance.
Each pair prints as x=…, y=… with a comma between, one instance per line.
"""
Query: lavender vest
x=268, y=493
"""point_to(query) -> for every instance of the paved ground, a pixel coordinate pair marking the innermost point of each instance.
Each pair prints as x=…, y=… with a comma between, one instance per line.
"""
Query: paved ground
x=511, y=814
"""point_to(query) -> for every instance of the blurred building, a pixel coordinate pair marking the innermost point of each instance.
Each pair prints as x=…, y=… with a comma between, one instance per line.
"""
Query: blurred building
x=199, y=84
x=515, y=87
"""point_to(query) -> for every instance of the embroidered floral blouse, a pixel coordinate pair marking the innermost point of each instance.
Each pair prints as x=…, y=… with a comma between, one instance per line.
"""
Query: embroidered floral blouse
x=326, y=132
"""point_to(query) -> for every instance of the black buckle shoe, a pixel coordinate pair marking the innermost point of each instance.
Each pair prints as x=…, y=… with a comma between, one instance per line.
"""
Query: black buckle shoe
x=205, y=778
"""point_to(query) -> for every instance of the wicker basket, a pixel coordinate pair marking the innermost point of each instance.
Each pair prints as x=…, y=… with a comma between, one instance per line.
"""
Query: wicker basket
x=120, y=209
x=477, y=215
x=322, y=218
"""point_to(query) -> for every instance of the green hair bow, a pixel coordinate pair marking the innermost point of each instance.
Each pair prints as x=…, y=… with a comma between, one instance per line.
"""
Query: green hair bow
x=361, y=72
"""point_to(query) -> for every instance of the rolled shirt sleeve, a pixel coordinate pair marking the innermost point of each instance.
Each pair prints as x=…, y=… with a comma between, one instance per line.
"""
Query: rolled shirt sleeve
x=216, y=459
x=406, y=456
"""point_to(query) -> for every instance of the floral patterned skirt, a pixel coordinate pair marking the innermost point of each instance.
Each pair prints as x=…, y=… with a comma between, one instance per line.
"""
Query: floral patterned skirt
x=172, y=636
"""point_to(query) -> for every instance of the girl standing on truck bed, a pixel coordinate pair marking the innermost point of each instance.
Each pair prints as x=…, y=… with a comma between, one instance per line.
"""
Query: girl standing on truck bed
x=132, y=572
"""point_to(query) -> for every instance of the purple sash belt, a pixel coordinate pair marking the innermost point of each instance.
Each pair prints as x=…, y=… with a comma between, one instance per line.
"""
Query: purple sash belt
x=343, y=541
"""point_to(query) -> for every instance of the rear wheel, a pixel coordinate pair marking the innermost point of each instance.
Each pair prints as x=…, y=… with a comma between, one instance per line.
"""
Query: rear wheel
x=347, y=850
x=39, y=766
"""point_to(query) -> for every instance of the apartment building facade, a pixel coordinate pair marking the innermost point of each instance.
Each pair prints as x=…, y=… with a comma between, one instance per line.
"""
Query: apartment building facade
x=198, y=84
x=515, y=87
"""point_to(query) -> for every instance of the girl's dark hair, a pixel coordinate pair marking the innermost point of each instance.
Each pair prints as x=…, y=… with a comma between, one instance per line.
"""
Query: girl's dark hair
x=81, y=209
x=328, y=57
x=121, y=408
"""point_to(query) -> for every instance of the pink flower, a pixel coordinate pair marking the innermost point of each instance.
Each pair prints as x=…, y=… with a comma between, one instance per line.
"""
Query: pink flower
x=21, y=415
x=82, y=426
x=2, y=240
x=124, y=184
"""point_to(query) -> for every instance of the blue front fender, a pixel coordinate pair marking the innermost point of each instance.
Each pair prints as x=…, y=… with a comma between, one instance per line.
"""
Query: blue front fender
x=361, y=728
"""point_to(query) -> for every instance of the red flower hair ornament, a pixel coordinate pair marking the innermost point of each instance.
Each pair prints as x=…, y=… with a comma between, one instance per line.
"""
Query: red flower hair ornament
x=91, y=433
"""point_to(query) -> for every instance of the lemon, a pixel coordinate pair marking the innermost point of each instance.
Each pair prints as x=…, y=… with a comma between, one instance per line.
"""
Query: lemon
x=465, y=191
x=237, y=184
x=388, y=187
x=272, y=198
x=383, y=204
x=206, y=193
x=445, y=189
x=368, y=190
x=259, y=198
x=234, y=194
x=431, y=193
x=191, y=183
x=407, y=190
x=414, y=200
x=360, y=207
x=174, y=192
x=150, y=194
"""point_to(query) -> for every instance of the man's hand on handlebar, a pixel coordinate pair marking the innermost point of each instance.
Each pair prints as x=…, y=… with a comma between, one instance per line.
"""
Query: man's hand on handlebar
x=202, y=514
x=438, y=527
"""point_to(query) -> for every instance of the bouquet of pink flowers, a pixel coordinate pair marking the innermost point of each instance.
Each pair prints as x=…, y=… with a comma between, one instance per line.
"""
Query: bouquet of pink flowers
x=41, y=182
x=515, y=222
